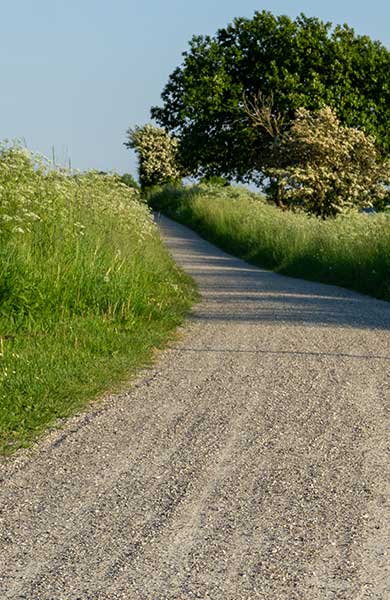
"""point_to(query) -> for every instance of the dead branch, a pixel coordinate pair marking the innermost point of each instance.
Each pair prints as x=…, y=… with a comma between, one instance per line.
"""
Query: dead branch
x=260, y=110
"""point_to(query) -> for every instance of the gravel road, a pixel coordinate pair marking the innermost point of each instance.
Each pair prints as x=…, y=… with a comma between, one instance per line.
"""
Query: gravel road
x=250, y=462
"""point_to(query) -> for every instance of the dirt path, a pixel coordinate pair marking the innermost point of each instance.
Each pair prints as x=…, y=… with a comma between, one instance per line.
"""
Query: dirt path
x=250, y=462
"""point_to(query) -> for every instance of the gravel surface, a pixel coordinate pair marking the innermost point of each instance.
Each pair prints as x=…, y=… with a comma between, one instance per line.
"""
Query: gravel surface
x=250, y=462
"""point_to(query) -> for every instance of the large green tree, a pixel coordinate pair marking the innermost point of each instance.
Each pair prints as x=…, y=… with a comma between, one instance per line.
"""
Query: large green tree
x=300, y=63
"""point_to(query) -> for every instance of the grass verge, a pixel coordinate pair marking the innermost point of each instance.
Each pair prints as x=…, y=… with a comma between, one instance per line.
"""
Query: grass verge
x=351, y=251
x=87, y=291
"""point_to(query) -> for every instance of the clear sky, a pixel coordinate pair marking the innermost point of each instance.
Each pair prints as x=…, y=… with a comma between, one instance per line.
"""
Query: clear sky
x=75, y=74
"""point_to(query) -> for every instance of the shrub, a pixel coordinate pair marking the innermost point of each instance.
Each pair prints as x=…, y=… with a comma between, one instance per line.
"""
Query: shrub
x=157, y=155
x=326, y=167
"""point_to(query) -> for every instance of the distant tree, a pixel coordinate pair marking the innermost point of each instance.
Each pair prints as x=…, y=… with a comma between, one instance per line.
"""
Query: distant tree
x=302, y=63
x=157, y=155
x=129, y=180
x=215, y=180
x=325, y=167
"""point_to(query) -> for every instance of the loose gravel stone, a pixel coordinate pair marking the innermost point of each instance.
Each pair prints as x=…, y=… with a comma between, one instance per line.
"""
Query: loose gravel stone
x=250, y=462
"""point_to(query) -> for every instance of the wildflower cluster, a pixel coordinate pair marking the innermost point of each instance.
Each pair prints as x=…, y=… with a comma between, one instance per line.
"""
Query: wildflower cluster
x=69, y=242
x=32, y=196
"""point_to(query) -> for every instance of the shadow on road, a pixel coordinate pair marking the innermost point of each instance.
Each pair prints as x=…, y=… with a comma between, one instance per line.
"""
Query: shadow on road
x=236, y=291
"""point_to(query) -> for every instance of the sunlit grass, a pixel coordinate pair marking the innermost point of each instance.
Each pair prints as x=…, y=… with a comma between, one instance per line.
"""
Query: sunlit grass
x=351, y=251
x=86, y=291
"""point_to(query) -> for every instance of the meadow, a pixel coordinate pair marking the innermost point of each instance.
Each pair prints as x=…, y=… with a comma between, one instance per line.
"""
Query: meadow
x=352, y=250
x=87, y=291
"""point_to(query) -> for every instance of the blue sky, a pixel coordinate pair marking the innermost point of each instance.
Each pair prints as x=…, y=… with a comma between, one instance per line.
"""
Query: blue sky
x=76, y=73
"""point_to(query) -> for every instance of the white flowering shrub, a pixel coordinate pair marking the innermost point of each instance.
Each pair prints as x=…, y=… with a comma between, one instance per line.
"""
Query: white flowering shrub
x=157, y=155
x=326, y=167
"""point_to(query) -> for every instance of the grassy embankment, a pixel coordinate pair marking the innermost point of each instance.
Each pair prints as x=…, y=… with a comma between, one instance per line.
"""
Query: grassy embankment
x=352, y=251
x=86, y=292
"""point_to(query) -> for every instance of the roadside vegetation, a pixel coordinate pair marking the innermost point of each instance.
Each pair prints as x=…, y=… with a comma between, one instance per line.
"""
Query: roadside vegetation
x=86, y=291
x=299, y=109
x=351, y=250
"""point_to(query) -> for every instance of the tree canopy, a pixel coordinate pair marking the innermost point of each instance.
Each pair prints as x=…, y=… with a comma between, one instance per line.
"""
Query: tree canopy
x=301, y=63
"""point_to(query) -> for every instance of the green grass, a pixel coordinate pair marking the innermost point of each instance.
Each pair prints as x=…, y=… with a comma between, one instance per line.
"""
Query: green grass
x=352, y=251
x=87, y=291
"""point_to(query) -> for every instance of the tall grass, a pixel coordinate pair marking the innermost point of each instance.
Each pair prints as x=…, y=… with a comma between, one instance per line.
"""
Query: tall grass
x=352, y=250
x=86, y=291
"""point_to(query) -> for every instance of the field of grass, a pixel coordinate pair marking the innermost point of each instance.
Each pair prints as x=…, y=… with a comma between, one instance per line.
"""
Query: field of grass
x=86, y=291
x=352, y=250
